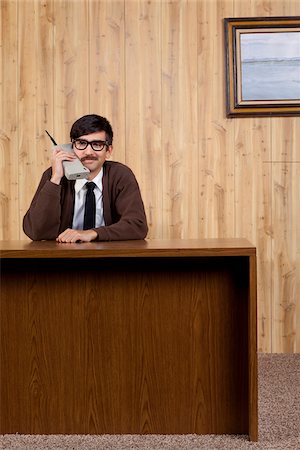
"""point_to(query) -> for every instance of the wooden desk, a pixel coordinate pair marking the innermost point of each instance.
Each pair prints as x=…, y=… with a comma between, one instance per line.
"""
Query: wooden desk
x=129, y=337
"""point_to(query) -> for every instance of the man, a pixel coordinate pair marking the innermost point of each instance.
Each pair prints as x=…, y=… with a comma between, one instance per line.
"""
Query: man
x=58, y=209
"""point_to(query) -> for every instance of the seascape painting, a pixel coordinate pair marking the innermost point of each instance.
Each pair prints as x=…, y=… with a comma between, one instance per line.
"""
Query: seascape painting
x=270, y=66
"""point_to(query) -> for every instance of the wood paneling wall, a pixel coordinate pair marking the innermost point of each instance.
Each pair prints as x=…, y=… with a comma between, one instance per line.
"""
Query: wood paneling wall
x=156, y=70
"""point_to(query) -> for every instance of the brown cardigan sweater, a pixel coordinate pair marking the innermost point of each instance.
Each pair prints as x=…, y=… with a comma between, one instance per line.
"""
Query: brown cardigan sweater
x=51, y=210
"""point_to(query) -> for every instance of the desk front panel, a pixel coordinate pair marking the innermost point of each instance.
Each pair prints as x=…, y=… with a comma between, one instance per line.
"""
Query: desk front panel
x=130, y=345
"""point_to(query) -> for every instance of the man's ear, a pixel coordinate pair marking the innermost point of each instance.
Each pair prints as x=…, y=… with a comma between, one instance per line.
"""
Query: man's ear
x=109, y=152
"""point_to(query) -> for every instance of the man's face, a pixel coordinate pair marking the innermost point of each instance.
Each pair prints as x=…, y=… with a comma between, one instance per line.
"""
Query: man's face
x=91, y=159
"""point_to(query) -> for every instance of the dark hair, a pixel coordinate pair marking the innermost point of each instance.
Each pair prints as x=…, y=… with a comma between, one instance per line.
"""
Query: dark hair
x=91, y=123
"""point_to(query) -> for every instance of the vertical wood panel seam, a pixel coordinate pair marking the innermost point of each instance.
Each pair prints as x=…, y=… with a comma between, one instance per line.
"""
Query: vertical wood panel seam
x=89, y=55
x=53, y=61
x=197, y=93
x=272, y=242
x=198, y=124
x=54, y=71
x=161, y=117
x=234, y=152
x=234, y=155
x=125, y=82
x=18, y=114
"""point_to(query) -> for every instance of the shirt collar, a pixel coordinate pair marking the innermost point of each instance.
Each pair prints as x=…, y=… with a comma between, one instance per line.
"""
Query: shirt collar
x=79, y=184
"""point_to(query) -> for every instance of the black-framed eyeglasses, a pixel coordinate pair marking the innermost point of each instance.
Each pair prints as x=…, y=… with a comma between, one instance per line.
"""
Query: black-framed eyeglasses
x=97, y=146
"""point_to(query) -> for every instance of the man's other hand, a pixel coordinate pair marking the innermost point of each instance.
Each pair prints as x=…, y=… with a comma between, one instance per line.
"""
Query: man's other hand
x=70, y=235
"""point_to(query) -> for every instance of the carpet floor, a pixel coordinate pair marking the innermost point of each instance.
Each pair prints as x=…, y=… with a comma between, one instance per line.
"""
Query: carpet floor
x=279, y=421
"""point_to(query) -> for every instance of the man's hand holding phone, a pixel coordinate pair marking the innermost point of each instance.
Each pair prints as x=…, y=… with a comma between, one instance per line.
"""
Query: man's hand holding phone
x=58, y=156
x=65, y=162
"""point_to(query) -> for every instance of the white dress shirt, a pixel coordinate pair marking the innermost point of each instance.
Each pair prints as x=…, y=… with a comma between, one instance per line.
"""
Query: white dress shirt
x=80, y=194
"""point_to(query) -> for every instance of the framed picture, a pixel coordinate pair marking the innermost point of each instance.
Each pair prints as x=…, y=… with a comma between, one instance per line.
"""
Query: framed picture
x=262, y=66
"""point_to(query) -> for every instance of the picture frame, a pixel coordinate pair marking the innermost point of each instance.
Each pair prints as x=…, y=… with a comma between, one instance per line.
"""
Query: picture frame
x=262, y=57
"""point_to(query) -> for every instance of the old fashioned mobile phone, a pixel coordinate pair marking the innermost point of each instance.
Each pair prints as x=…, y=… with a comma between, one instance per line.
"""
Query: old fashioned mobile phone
x=74, y=170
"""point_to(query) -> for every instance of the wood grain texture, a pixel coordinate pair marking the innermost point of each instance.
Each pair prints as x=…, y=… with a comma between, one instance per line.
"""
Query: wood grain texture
x=179, y=115
x=71, y=65
x=30, y=158
x=253, y=207
x=35, y=106
x=286, y=243
x=44, y=49
x=9, y=180
x=107, y=67
x=253, y=193
x=216, y=170
x=156, y=70
x=134, y=345
x=143, y=88
x=286, y=256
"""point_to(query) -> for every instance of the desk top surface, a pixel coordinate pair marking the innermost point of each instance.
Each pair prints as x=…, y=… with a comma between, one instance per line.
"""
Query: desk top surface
x=142, y=248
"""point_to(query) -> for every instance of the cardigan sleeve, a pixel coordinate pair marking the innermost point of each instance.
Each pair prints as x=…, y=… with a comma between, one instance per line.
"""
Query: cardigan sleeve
x=124, y=212
x=42, y=220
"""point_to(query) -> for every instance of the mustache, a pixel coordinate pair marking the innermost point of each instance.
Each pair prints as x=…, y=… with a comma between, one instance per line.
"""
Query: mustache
x=88, y=158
